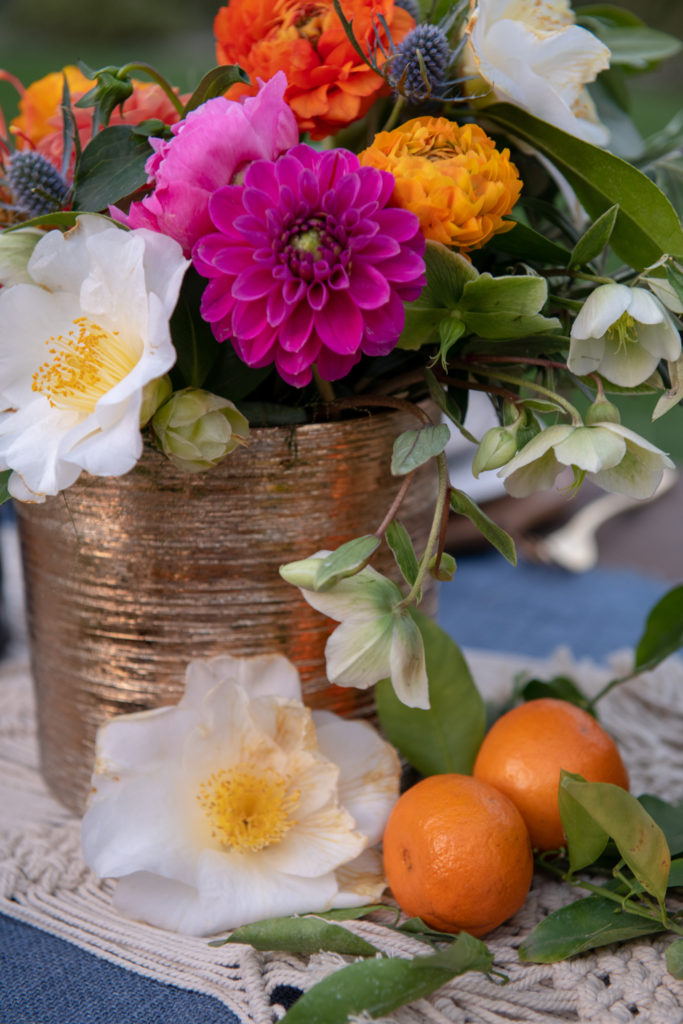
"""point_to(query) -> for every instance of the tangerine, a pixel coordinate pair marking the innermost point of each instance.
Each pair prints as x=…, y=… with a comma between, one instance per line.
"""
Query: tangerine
x=523, y=752
x=457, y=854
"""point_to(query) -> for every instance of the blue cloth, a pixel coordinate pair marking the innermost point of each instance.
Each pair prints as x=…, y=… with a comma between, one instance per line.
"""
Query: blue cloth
x=489, y=605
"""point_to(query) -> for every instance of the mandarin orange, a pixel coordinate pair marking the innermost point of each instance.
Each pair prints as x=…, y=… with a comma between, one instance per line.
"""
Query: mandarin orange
x=523, y=752
x=457, y=854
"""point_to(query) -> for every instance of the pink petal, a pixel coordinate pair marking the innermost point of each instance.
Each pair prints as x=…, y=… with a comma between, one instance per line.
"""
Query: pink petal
x=340, y=324
x=296, y=327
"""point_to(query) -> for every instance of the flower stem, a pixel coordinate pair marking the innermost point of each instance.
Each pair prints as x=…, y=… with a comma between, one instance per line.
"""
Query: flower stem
x=396, y=504
x=394, y=115
x=157, y=77
x=325, y=389
x=508, y=378
x=434, y=533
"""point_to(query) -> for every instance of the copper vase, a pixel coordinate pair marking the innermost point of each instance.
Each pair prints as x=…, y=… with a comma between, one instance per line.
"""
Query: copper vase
x=129, y=578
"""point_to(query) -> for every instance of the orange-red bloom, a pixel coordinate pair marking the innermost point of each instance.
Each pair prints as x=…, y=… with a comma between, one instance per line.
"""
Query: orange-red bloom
x=452, y=176
x=329, y=86
x=39, y=123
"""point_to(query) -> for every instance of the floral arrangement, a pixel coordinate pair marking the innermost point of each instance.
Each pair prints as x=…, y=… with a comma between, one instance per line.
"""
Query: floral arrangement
x=365, y=204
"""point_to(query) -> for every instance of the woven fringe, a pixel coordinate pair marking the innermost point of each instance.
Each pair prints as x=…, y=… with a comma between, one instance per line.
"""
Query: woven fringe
x=44, y=882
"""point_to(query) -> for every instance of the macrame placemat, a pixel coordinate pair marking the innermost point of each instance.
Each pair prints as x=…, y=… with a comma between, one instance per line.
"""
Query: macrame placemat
x=44, y=882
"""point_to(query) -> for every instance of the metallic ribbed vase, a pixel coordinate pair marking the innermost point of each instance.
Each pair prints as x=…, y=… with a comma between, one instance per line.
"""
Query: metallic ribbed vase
x=129, y=578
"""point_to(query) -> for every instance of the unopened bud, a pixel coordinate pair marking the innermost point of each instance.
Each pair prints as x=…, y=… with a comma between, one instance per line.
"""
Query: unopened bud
x=154, y=394
x=196, y=429
x=497, y=447
x=602, y=411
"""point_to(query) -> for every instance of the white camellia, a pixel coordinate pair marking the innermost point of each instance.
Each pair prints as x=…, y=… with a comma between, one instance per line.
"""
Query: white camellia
x=80, y=339
x=622, y=333
x=375, y=639
x=614, y=457
x=239, y=803
x=532, y=54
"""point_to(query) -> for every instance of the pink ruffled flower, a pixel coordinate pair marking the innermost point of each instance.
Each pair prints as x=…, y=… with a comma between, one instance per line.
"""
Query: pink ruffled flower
x=308, y=264
x=210, y=148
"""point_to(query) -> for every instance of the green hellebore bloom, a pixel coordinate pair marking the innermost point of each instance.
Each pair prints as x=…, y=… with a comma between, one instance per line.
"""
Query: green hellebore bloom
x=16, y=249
x=375, y=639
x=196, y=429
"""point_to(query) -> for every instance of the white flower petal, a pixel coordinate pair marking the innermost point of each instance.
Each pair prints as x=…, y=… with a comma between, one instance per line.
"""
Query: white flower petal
x=602, y=308
x=357, y=653
x=361, y=881
x=591, y=448
x=662, y=340
x=366, y=593
x=407, y=663
x=585, y=355
x=627, y=365
x=644, y=307
x=317, y=844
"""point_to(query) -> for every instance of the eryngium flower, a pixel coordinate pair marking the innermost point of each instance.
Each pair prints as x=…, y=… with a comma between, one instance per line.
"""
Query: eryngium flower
x=420, y=65
x=309, y=264
x=452, y=176
x=37, y=187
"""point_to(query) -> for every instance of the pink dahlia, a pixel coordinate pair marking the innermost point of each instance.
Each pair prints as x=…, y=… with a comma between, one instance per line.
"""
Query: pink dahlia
x=308, y=264
x=210, y=148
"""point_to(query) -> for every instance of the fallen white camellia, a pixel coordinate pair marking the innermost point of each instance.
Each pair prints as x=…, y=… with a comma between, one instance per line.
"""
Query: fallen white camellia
x=80, y=340
x=239, y=803
x=532, y=54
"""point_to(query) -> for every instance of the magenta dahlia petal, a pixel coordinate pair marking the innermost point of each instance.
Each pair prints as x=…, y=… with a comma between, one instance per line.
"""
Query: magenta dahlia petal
x=340, y=324
x=332, y=366
x=255, y=282
x=296, y=328
x=217, y=301
x=249, y=319
x=368, y=285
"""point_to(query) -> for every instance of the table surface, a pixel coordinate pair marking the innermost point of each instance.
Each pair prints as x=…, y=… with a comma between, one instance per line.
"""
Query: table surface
x=490, y=605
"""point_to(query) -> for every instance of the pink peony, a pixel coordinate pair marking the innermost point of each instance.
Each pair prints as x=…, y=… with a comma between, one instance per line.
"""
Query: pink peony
x=211, y=146
x=309, y=264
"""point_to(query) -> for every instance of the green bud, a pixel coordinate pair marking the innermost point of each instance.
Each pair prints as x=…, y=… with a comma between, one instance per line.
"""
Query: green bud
x=154, y=394
x=602, y=411
x=497, y=446
x=302, y=573
x=16, y=249
x=446, y=570
x=196, y=429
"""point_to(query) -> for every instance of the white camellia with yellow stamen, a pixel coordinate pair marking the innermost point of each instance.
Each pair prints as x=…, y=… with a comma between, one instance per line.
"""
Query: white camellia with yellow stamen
x=532, y=54
x=622, y=333
x=92, y=313
x=239, y=803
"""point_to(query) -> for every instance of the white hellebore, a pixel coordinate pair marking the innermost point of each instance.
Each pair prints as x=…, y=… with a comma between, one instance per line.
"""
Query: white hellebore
x=239, y=803
x=614, y=457
x=80, y=338
x=532, y=54
x=375, y=639
x=622, y=333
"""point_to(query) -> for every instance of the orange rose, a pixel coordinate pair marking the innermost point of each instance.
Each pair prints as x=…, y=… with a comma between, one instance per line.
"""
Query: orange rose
x=329, y=86
x=451, y=176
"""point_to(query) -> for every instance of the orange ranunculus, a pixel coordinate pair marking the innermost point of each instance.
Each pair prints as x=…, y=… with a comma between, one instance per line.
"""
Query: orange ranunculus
x=329, y=86
x=451, y=176
x=39, y=124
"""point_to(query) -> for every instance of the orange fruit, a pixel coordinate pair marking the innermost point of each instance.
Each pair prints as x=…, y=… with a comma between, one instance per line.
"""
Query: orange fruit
x=523, y=752
x=457, y=854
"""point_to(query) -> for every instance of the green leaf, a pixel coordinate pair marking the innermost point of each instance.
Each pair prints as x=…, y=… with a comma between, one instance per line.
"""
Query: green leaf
x=673, y=275
x=4, y=489
x=300, y=935
x=647, y=226
x=639, y=839
x=447, y=736
x=595, y=239
x=215, y=83
x=447, y=273
x=345, y=561
x=496, y=535
x=111, y=166
x=586, y=924
x=64, y=219
x=663, y=633
x=530, y=245
x=586, y=838
x=380, y=986
x=192, y=337
x=401, y=545
x=674, y=959
x=634, y=46
x=354, y=913
x=451, y=329
x=560, y=687
x=413, y=448
x=506, y=307
x=669, y=817
x=449, y=405
x=676, y=874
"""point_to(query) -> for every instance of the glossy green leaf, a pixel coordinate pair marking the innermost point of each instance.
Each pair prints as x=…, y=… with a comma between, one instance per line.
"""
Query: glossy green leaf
x=586, y=924
x=413, y=448
x=380, y=986
x=560, y=687
x=447, y=273
x=634, y=46
x=669, y=817
x=446, y=736
x=193, y=339
x=595, y=239
x=345, y=561
x=675, y=279
x=4, y=489
x=215, y=83
x=300, y=935
x=528, y=244
x=63, y=219
x=354, y=913
x=674, y=959
x=401, y=545
x=586, y=838
x=647, y=225
x=496, y=535
x=676, y=874
x=663, y=634
x=111, y=166
x=638, y=838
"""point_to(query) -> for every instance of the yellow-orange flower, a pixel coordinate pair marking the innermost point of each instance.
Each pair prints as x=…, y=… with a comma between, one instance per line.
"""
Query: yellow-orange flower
x=329, y=86
x=39, y=123
x=451, y=176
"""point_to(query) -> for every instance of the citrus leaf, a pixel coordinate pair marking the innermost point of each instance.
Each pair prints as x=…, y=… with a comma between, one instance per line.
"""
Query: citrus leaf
x=380, y=986
x=663, y=633
x=4, y=488
x=401, y=545
x=586, y=839
x=446, y=736
x=647, y=226
x=111, y=166
x=300, y=935
x=345, y=561
x=528, y=244
x=413, y=448
x=560, y=687
x=496, y=535
x=586, y=924
x=595, y=239
x=669, y=817
x=354, y=913
x=215, y=83
x=674, y=959
x=676, y=874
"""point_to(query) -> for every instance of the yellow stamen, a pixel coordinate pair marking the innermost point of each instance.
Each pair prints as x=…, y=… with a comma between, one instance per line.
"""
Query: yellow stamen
x=248, y=811
x=83, y=366
x=623, y=331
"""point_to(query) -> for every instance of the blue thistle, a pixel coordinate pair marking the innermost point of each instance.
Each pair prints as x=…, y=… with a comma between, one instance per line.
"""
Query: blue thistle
x=412, y=7
x=38, y=188
x=418, y=68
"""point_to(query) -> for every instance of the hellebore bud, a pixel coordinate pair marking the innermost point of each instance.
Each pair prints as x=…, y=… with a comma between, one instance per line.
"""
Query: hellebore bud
x=497, y=446
x=196, y=429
